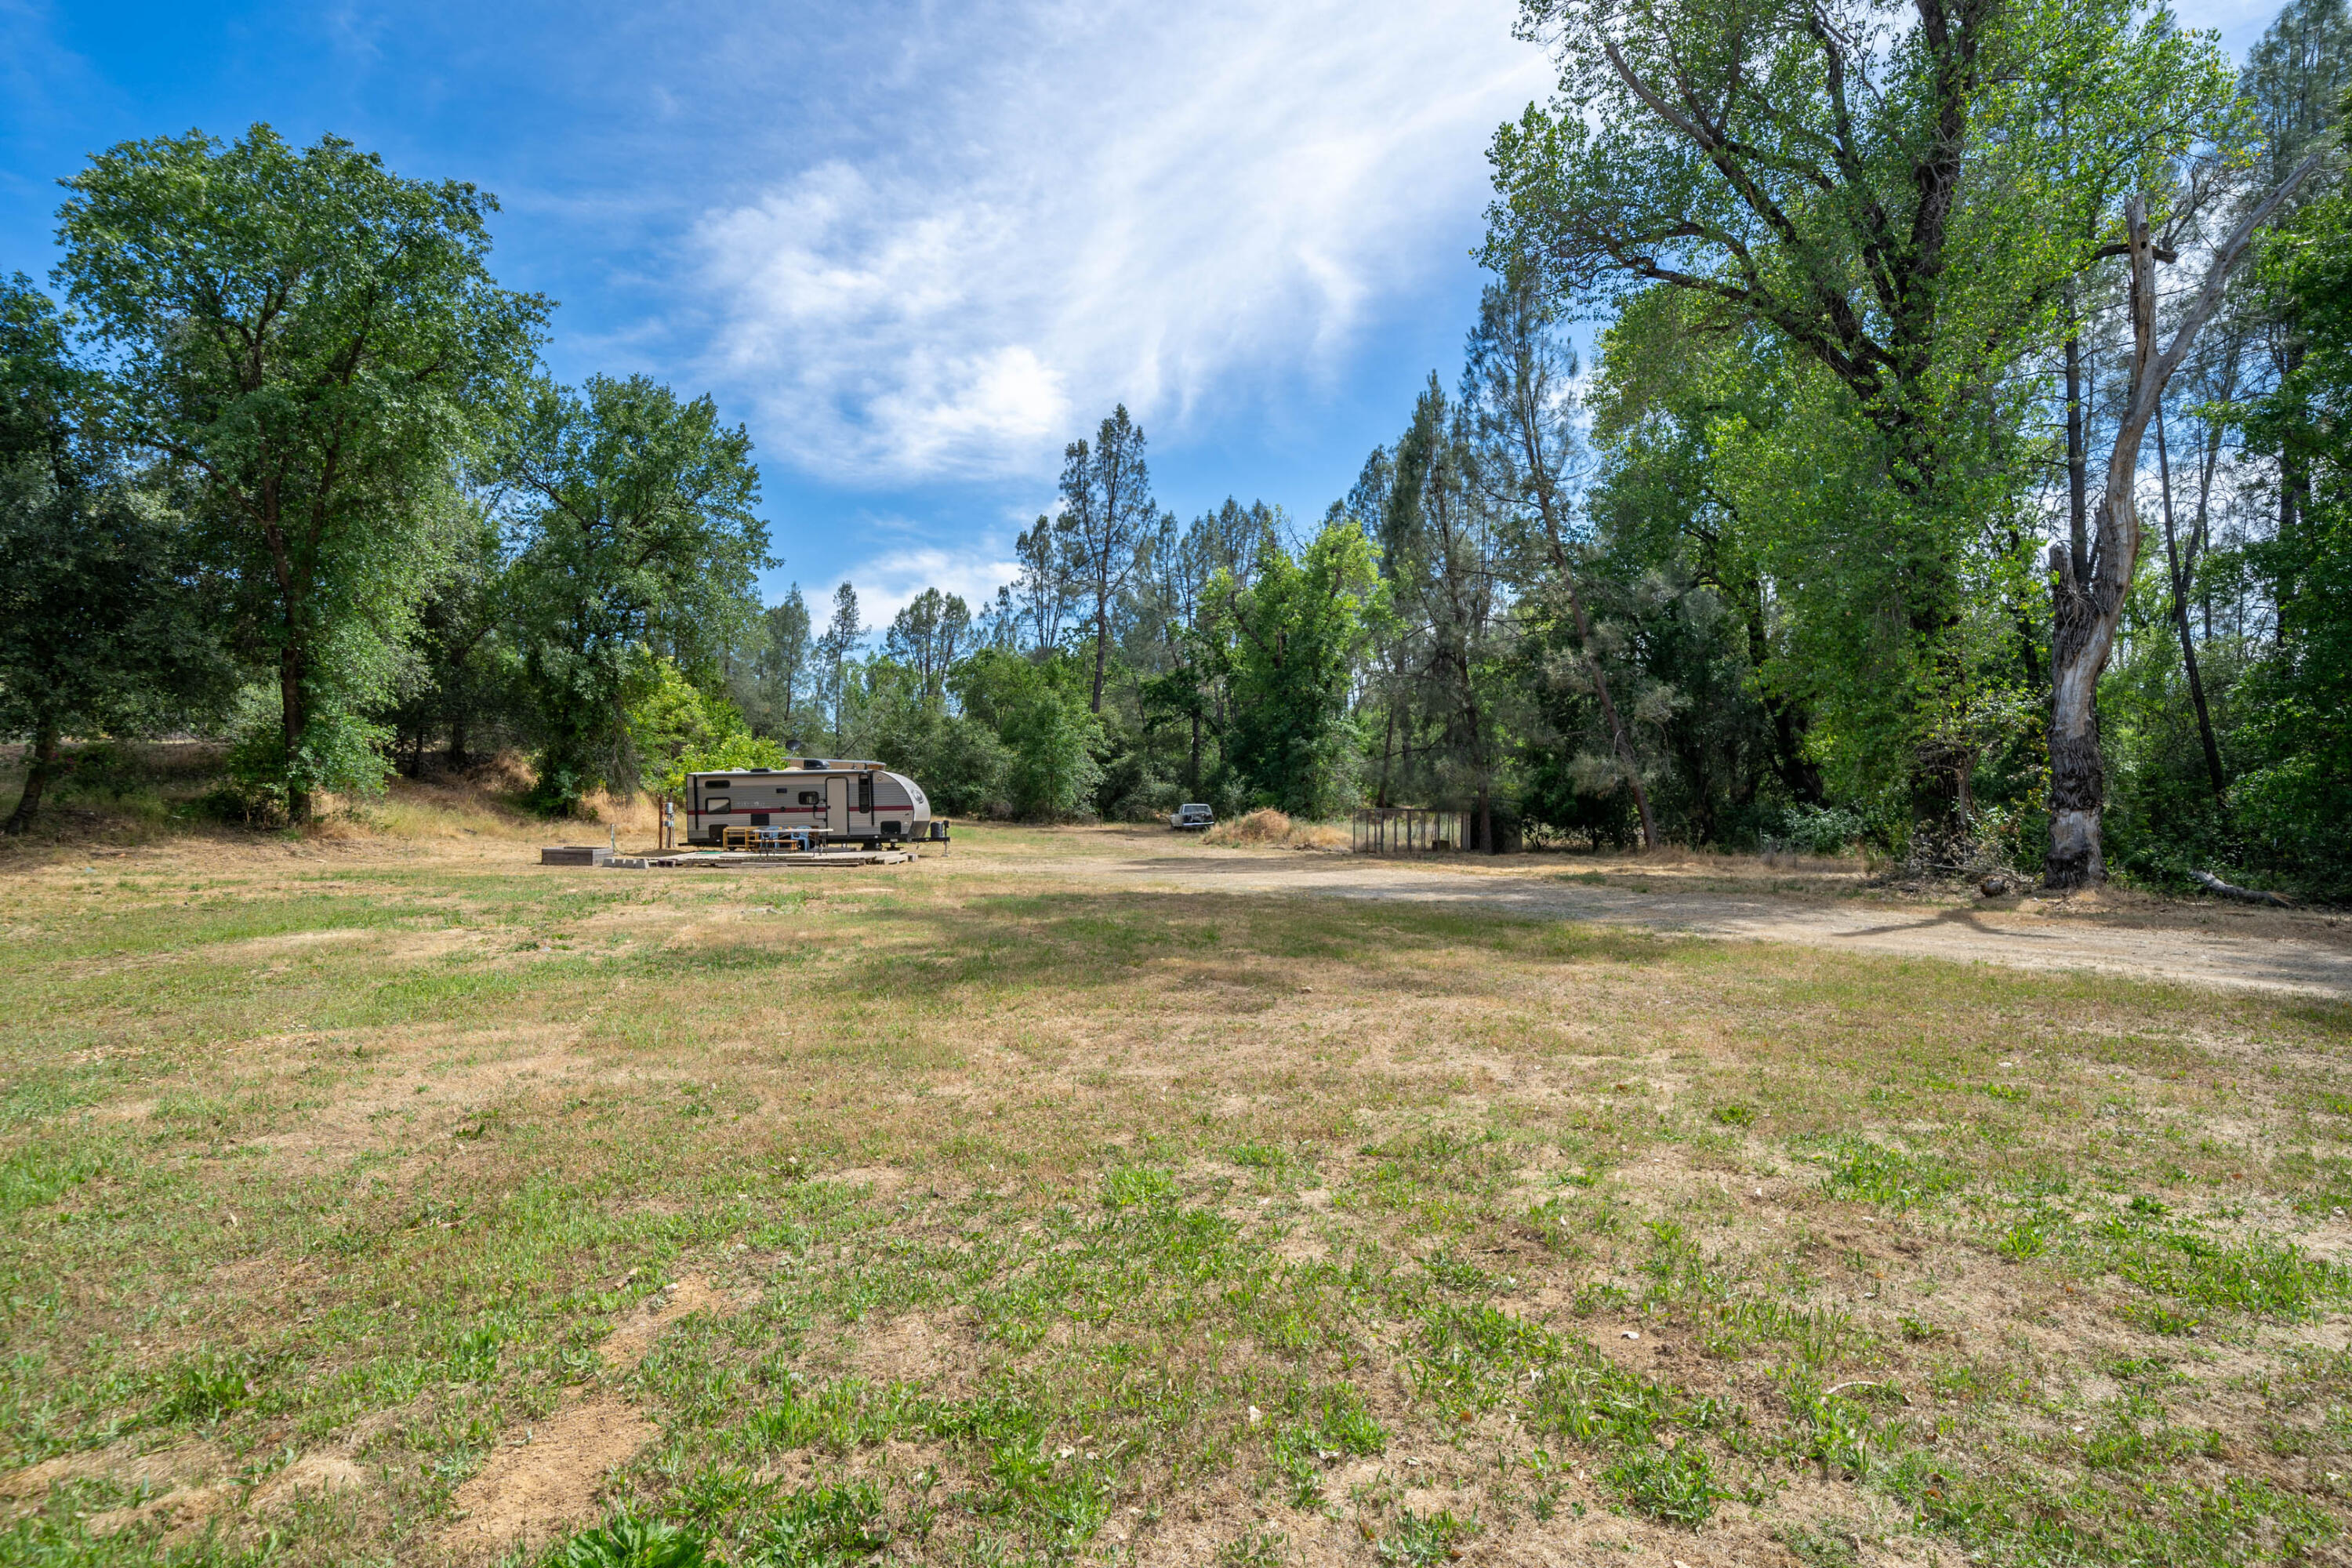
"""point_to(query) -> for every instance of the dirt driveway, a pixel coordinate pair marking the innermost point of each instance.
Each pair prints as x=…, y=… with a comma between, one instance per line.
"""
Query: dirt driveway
x=2198, y=943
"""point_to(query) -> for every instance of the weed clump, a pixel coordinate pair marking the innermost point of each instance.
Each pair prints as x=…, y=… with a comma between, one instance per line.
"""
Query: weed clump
x=206, y=1387
x=1873, y=1174
x=826, y=1525
x=1418, y=1540
x=624, y=1540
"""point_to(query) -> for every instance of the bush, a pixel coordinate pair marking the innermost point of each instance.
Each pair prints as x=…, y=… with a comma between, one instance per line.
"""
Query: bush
x=1812, y=830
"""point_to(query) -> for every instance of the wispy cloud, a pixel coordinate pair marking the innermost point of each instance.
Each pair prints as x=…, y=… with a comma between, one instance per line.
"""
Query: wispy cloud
x=1069, y=207
x=887, y=580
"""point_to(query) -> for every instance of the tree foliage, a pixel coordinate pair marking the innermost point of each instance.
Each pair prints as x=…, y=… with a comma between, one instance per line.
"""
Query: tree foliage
x=103, y=615
x=1875, y=283
x=1296, y=632
x=631, y=515
x=310, y=344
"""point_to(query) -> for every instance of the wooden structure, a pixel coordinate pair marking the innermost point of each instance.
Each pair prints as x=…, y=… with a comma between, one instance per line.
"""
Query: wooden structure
x=1405, y=830
x=767, y=840
x=742, y=860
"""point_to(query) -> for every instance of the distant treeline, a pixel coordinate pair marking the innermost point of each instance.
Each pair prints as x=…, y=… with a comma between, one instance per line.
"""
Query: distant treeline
x=1962, y=471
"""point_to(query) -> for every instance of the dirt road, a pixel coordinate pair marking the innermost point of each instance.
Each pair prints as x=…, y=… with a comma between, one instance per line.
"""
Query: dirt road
x=2204, y=945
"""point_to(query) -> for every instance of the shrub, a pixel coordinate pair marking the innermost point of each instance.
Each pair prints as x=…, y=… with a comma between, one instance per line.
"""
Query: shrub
x=1813, y=830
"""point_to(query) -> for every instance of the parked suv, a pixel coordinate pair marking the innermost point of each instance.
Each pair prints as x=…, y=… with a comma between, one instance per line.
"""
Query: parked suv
x=1192, y=819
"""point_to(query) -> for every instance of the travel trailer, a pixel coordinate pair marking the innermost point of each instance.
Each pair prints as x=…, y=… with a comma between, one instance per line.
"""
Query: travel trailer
x=835, y=801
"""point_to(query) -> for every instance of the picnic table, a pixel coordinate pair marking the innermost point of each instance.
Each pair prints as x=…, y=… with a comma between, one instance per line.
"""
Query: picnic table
x=767, y=840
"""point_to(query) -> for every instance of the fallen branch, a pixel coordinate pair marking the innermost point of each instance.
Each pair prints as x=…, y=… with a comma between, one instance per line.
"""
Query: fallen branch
x=2245, y=895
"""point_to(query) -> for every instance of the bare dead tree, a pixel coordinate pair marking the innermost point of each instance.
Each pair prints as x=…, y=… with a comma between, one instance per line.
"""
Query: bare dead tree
x=2087, y=604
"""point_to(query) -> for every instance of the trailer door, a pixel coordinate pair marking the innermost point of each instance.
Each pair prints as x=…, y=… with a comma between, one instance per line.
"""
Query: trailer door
x=836, y=805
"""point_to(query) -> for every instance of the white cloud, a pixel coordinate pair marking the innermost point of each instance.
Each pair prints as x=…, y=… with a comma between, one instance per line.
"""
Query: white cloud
x=1051, y=212
x=887, y=580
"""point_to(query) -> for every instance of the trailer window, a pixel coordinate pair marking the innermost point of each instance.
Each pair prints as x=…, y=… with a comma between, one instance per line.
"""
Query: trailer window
x=718, y=803
x=808, y=797
x=866, y=792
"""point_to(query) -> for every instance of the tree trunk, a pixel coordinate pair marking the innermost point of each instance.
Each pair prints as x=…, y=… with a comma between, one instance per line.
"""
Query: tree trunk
x=2078, y=510
x=1102, y=644
x=2082, y=630
x=2295, y=490
x=1388, y=753
x=2180, y=617
x=40, y=764
x=292, y=719
x=2087, y=605
x=1623, y=742
x=1616, y=725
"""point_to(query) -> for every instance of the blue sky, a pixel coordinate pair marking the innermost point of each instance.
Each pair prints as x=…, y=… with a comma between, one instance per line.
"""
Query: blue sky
x=915, y=247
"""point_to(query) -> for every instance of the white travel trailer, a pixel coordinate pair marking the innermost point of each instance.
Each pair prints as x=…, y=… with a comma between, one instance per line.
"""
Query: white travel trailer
x=836, y=800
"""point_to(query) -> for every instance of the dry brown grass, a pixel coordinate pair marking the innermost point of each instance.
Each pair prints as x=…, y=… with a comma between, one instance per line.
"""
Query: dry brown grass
x=1266, y=828
x=404, y=1131
x=1264, y=825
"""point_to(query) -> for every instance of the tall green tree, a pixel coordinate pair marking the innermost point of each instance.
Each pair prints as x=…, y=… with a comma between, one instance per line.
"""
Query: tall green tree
x=1049, y=733
x=2294, y=798
x=2295, y=77
x=1676, y=394
x=312, y=342
x=631, y=516
x=837, y=653
x=1519, y=386
x=102, y=614
x=928, y=634
x=460, y=685
x=1107, y=514
x=1788, y=162
x=782, y=668
x=2295, y=80
x=1035, y=609
x=1297, y=631
x=1442, y=562
x=1191, y=688
x=1892, y=195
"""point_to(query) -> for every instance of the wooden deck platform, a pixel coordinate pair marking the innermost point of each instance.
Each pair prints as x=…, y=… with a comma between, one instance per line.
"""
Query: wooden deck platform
x=742, y=860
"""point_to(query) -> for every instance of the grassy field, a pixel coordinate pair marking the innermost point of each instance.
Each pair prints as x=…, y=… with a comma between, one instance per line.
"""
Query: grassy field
x=383, y=1198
